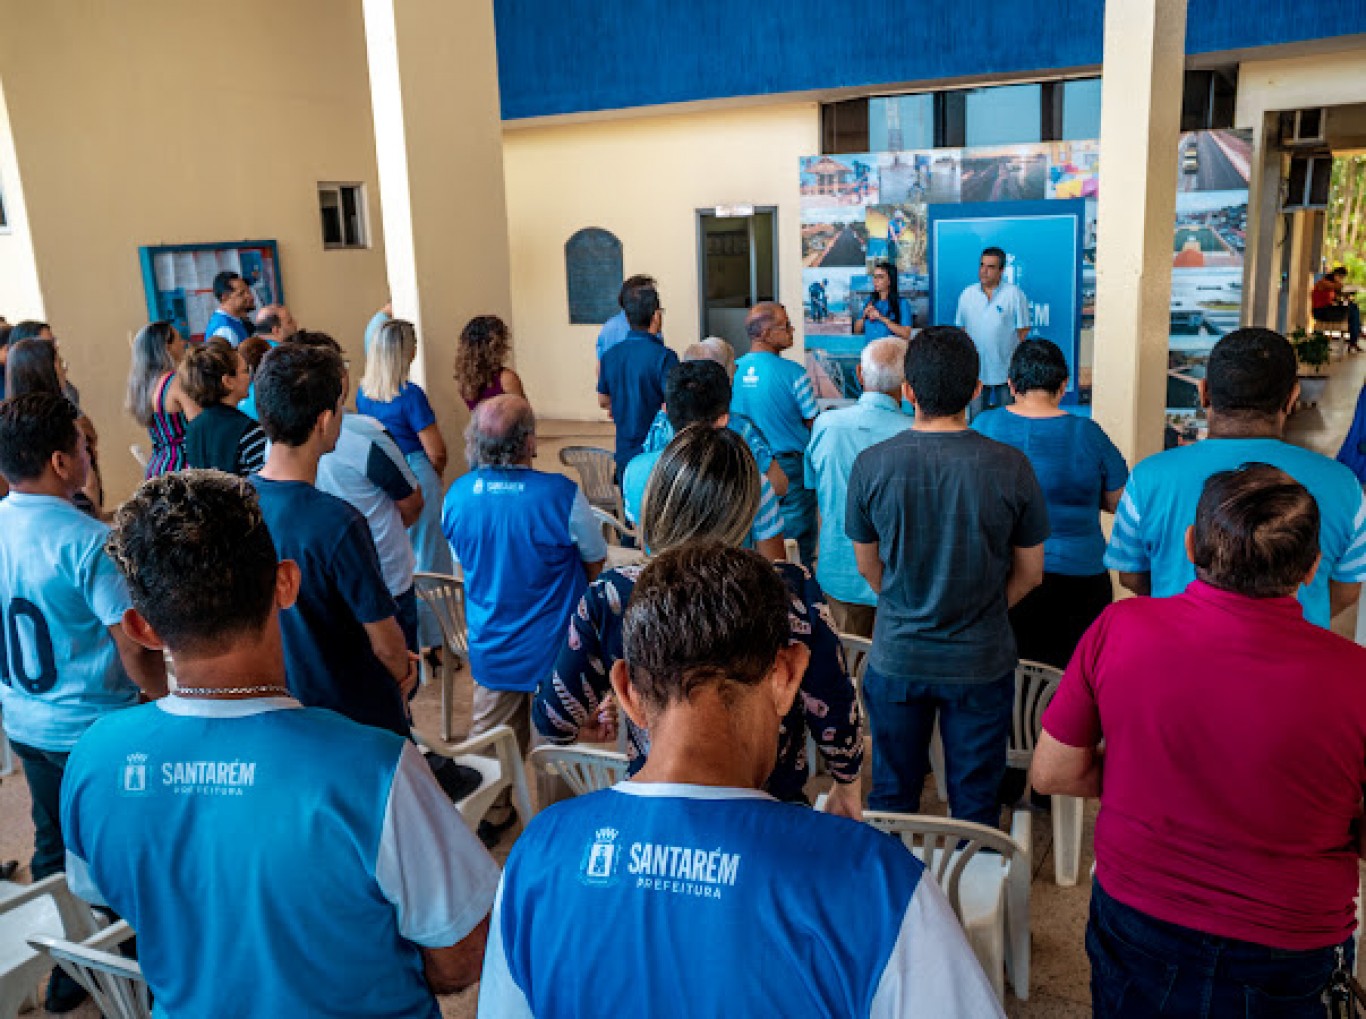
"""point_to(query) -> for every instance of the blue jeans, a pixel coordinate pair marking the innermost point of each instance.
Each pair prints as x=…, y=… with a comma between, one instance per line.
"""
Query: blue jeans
x=1142, y=966
x=798, y=506
x=43, y=771
x=974, y=723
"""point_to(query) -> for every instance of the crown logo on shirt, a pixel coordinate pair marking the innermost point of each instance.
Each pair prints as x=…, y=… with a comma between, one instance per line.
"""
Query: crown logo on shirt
x=133, y=780
x=601, y=859
x=607, y=835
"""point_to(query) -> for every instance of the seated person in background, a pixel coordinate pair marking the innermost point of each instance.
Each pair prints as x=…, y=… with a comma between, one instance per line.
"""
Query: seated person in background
x=698, y=392
x=327, y=872
x=344, y=647
x=1250, y=388
x=735, y=904
x=1082, y=475
x=34, y=366
x=220, y=437
x=68, y=661
x=705, y=488
x=368, y=471
x=1231, y=774
x=529, y=545
x=661, y=433
x=1332, y=306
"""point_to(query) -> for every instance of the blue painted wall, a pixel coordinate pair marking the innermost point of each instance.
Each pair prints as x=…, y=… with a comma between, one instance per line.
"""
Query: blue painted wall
x=571, y=56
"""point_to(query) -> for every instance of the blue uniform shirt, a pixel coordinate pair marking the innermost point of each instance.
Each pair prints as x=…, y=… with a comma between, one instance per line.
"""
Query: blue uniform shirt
x=776, y=395
x=837, y=438
x=632, y=375
x=711, y=901
x=404, y=416
x=874, y=330
x=225, y=326
x=613, y=331
x=274, y=860
x=522, y=537
x=1076, y=463
x=60, y=594
x=768, y=521
x=1159, y=504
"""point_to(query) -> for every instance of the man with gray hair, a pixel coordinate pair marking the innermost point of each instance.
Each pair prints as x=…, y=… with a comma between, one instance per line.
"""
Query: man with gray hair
x=529, y=546
x=837, y=439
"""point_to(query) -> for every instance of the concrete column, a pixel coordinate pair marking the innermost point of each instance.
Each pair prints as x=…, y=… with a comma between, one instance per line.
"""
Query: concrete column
x=439, y=147
x=1262, y=266
x=1139, y=127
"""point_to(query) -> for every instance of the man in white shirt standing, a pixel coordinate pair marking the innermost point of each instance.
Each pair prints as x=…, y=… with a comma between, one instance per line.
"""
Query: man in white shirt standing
x=996, y=315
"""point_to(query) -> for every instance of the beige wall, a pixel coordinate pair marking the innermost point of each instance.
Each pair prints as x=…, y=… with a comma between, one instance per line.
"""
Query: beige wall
x=20, y=297
x=643, y=179
x=163, y=121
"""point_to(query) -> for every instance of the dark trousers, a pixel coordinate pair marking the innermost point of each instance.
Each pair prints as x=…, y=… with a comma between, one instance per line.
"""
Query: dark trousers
x=1349, y=313
x=1049, y=621
x=798, y=506
x=43, y=770
x=1142, y=966
x=407, y=617
x=974, y=724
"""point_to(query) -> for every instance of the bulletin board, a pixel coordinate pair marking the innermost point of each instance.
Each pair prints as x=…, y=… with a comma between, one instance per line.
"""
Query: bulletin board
x=178, y=279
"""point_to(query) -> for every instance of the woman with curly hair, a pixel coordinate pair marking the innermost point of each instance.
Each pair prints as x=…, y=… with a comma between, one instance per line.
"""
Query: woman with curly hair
x=481, y=361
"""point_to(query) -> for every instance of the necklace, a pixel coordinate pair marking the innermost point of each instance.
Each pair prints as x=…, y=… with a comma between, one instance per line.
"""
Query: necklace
x=219, y=691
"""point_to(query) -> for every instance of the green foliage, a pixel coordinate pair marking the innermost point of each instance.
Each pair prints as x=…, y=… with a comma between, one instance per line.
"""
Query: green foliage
x=1311, y=349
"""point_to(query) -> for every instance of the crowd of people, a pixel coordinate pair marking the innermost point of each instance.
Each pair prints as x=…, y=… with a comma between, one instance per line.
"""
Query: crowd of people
x=270, y=557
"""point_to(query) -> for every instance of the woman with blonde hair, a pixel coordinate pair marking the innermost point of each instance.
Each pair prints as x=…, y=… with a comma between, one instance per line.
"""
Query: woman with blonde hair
x=156, y=399
x=481, y=361
x=386, y=394
x=706, y=488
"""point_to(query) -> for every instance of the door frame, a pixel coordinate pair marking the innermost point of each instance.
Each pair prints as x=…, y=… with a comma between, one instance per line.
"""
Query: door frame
x=700, y=236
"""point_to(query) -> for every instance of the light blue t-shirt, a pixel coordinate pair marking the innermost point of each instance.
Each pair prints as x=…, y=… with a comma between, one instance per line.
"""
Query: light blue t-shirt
x=60, y=593
x=662, y=433
x=368, y=471
x=613, y=331
x=275, y=860
x=1159, y=503
x=768, y=521
x=776, y=395
x=837, y=438
x=522, y=537
x=713, y=901
x=1076, y=463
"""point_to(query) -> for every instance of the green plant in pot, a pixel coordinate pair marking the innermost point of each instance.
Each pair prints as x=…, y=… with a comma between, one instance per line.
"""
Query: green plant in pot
x=1312, y=350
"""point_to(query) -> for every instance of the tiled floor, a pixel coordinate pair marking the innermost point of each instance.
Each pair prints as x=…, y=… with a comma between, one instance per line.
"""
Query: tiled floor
x=1059, y=985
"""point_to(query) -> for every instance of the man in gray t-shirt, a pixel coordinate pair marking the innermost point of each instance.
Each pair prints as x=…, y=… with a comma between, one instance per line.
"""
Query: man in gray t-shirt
x=948, y=528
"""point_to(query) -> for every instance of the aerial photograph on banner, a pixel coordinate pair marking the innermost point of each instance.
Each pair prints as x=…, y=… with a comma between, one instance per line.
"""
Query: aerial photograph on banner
x=1214, y=160
x=1017, y=173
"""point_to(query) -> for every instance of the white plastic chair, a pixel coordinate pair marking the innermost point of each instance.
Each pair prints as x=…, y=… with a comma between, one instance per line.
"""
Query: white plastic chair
x=597, y=469
x=614, y=530
x=44, y=907
x=1035, y=685
x=139, y=454
x=445, y=596
x=989, y=892
x=583, y=769
x=114, y=983
x=504, y=770
x=792, y=550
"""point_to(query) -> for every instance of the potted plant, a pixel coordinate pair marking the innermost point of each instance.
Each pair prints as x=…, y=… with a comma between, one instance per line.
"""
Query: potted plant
x=1312, y=350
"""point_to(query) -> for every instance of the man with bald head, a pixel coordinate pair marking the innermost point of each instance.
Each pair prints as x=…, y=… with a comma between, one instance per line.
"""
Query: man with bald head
x=837, y=438
x=529, y=546
x=776, y=395
x=275, y=324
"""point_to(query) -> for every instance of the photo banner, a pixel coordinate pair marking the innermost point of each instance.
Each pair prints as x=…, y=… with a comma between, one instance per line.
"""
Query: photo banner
x=1042, y=242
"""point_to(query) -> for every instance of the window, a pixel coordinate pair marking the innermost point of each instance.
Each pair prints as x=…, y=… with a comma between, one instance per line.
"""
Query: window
x=901, y=123
x=343, y=215
x=1080, y=110
x=1006, y=115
